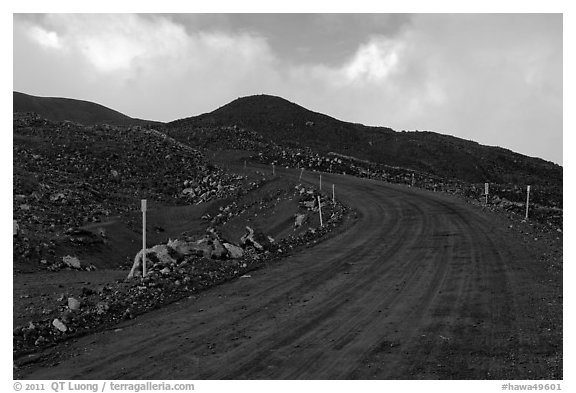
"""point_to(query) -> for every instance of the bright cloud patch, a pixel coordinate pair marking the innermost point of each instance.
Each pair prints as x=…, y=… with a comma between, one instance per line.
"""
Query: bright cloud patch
x=373, y=61
x=119, y=42
x=113, y=42
x=47, y=39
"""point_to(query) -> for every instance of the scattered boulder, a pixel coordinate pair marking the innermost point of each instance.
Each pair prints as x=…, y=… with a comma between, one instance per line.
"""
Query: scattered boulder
x=73, y=304
x=300, y=219
x=59, y=325
x=235, y=252
x=72, y=262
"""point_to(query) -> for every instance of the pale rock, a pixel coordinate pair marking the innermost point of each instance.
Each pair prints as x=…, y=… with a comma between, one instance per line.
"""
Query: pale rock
x=300, y=218
x=59, y=325
x=235, y=252
x=72, y=262
x=73, y=304
x=162, y=253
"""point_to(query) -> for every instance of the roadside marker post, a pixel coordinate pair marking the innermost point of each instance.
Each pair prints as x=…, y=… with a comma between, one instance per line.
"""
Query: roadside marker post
x=333, y=195
x=320, y=210
x=320, y=182
x=273, y=172
x=527, y=200
x=244, y=165
x=301, y=172
x=486, y=191
x=143, y=208
x=412, y=184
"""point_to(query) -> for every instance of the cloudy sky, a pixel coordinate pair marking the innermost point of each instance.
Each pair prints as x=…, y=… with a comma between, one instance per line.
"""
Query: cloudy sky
x=492, y=78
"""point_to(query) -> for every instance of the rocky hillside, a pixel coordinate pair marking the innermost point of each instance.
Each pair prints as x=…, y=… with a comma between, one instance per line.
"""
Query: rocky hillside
x=67, y=176
x=291, y=125
x=61, y=109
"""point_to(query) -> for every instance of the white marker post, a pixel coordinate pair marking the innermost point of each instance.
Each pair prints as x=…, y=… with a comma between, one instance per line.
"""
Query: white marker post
x=301, y=172
x=486, y=191
x=244, y=165
x=527, y=200
x=412, y=184
x=333, y=195
x=320, y=210
x=143, y=208
x=273, y=169
x=320, y=182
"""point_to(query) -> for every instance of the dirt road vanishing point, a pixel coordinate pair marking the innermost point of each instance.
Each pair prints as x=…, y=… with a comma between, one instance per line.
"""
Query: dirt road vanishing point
x=419, y=285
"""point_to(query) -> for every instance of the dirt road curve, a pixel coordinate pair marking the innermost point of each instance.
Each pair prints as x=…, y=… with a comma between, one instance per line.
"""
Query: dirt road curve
x=419, y=286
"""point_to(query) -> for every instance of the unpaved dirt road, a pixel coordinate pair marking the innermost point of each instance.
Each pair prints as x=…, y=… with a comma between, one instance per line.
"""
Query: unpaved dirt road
x=418, y=286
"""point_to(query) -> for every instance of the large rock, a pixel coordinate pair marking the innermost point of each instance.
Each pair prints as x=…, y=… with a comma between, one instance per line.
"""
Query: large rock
x=235, y=252
x=200, y=247
x=73, y=304
x=161, y=252
x=59, y=325
x=72, y=262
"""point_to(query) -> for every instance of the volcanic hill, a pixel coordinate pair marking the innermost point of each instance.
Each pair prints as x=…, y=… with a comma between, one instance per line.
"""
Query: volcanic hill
x=291, y=125
x=77, y=111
